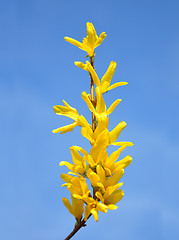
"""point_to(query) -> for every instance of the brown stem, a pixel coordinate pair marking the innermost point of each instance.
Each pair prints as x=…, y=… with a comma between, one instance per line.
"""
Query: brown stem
x=76, y=228
x=94, y=104
x=92, y=94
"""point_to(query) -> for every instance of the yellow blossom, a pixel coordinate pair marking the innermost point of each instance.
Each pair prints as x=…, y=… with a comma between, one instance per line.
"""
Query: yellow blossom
x=79, y=190
x=77, y=186
x=102, y=115
x=108, y=192
x=98, y=150
x=76, y=208
x=72, y=113
x=89, y=43
x=99, y=179
x=110, y=200
x=92, y=207
x=79, y=165
x=98, y=155
x=67, y=111
x=104, y=84
x=109, y=162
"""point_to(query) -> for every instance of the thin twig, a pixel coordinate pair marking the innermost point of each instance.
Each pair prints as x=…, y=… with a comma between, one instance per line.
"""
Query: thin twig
x=92, y=95
x=76, y=228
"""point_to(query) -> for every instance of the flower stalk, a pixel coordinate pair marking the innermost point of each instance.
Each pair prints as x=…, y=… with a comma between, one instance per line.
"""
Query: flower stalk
x=92, y=98
x=76, y=228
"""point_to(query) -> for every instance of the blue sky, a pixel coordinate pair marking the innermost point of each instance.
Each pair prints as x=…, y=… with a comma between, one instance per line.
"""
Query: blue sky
x=37, y=72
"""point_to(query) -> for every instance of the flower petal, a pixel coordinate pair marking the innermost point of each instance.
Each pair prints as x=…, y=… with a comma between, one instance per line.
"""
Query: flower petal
x=114, y=156
x=65, y=129
x=101, y=174
x=99, y=195
x=94, y=213
x=78, y=207
x=111, y=189
x=100, y=145
x=93, y=74
x=66, y=110
x=101, y=106
x=112, y=207
x=114, y=134
x=91, y=34
x=87, y=212
x=77, y=158
x=88, y=102
x=86, y=130
x=113, y=180
x=102, y=207
x=128, y=144
x=90, y=161
x=109, y=73
x=80, y=149
x=116, y=196
x=73, y=41
x=66, y=178
x=100, y=39
x=69, y=165
x=116, y=85
x=81, y=65
x=68, y=205
x=113, y=106
x=125, y=162
x=93, y=177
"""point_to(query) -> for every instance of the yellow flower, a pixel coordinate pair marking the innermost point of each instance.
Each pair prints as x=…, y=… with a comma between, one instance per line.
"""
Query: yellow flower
x=86, y=130
x=107, y=187
x=98, y=150
x=67, y=111
x=76, y=209
x=109, y=163
x=76, y=185
x=109, y=196
x=110, y=200
x=72, y=113
x=87, y=157
x=101, y=114
x=79, y=165
x=104, y=84
x=89, y=43
x=98, y=155
x=99, y=179
x=92, y=207
x=114, y=134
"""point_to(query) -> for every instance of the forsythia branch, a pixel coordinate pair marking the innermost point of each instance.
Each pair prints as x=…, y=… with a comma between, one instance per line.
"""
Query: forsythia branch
x=103, y=171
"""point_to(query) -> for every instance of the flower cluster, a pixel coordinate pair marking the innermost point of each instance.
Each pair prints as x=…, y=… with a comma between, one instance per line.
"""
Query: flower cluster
x=102, y=170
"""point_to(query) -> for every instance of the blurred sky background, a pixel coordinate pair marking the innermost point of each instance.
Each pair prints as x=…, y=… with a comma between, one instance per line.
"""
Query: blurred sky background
x=37, y=72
